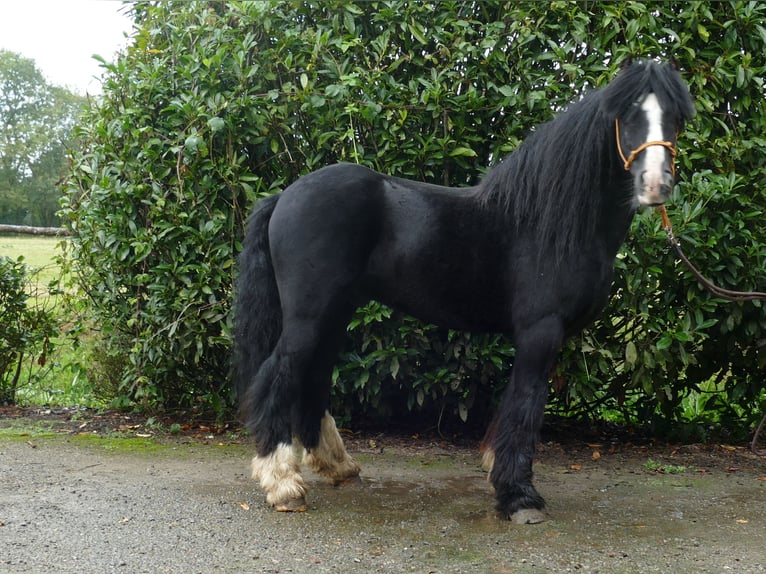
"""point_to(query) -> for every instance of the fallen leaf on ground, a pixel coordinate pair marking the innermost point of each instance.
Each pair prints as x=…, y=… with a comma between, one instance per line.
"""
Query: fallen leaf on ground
x=244, y=506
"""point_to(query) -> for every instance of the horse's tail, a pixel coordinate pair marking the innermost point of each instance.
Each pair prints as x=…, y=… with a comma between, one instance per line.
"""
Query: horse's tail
x=257, y=309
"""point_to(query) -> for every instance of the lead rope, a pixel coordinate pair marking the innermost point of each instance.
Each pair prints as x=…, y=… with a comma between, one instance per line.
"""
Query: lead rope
x=726, y=294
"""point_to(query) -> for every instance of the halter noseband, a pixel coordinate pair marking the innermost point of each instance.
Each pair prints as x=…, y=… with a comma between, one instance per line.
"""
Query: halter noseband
x=633, y=154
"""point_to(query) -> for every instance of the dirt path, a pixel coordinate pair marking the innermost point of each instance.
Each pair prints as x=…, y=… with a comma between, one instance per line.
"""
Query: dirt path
x=76, y=502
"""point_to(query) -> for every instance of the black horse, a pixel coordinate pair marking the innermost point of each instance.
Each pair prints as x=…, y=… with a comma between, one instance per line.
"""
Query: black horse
x=528, y=252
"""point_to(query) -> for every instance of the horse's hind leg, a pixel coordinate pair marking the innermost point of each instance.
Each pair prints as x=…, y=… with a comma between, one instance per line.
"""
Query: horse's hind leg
x=296, y=402
x=518, y=421
x=282, y=403
x=276, y=465
x=318, y=254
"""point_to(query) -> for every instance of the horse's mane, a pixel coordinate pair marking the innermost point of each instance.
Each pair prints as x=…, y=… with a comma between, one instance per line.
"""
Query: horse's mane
x=555, y=182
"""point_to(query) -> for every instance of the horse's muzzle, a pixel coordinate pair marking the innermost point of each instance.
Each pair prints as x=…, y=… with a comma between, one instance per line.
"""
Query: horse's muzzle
x=655, y=189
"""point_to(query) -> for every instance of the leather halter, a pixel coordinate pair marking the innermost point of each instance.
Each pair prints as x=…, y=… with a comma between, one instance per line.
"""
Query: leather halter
x=634, y=154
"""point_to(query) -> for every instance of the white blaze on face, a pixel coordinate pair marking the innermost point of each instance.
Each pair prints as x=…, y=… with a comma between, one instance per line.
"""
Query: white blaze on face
x=654, y=170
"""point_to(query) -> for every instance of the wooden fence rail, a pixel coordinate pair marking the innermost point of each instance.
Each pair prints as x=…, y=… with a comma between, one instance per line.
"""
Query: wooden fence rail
x=26, y=230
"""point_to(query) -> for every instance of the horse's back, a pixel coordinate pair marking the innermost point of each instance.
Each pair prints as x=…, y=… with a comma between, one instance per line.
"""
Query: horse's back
x=349, y=202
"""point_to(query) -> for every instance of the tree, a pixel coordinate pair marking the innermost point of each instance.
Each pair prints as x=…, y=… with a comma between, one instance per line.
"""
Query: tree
x=215, y=105
x=35, y=124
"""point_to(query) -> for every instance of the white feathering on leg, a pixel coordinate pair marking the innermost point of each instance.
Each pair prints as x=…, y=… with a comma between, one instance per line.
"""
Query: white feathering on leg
x=329, y=458
x=279, y=475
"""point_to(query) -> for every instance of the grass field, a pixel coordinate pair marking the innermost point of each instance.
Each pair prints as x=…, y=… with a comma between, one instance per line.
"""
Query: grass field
x=39, y=253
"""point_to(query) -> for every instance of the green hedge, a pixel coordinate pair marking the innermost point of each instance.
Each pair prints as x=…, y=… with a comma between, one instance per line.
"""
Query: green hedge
x=215, y=105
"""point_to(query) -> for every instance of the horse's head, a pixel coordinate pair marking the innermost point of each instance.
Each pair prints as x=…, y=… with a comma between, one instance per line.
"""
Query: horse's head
x=653, y=105
x=646, y=143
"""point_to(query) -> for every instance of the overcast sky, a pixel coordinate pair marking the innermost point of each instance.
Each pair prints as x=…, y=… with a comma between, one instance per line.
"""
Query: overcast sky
x=61, y=36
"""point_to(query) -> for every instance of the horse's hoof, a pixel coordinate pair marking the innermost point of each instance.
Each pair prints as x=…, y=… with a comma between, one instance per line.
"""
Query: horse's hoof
x=528, y=516
x=355, y=480
x=291, y=505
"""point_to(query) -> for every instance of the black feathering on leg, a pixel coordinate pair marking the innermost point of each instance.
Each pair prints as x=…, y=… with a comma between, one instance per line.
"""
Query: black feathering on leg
x=512, y=498
x=512, y=479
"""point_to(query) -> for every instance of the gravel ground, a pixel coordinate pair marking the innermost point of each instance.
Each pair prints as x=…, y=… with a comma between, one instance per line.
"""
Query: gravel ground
x=77, y=501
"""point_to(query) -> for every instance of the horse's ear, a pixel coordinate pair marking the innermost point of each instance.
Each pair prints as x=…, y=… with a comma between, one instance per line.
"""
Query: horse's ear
x=626, y=62
x=674, y=64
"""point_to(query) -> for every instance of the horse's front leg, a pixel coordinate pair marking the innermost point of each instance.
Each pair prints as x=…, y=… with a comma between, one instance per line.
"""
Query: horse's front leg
x=517, y=424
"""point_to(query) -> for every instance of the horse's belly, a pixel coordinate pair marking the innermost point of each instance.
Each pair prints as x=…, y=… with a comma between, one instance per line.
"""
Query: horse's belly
x=442, y=296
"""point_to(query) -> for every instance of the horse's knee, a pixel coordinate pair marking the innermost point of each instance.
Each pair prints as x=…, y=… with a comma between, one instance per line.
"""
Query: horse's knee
x=279, y=476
